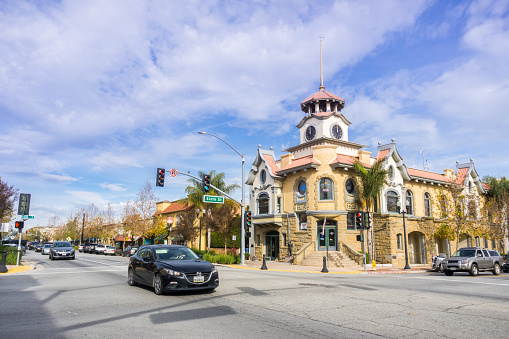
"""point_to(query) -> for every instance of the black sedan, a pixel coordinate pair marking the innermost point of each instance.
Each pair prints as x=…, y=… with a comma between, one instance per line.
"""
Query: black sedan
x=171, y=268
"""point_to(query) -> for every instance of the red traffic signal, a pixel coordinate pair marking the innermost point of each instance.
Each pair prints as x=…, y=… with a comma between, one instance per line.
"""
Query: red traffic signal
x=359, y=220
x=19, y=224
x=160, y=177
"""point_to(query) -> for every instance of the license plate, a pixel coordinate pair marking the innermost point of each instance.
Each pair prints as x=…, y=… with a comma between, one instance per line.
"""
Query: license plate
x=199, y=279
x=452, y=268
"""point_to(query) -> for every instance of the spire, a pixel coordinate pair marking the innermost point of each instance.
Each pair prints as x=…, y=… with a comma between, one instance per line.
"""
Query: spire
x=321, y=64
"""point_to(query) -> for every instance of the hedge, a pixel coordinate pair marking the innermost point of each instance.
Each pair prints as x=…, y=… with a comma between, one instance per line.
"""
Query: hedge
x=12, y=254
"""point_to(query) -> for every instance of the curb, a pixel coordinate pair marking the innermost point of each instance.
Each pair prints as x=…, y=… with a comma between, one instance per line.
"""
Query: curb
x=330, y=272
x=18, y=269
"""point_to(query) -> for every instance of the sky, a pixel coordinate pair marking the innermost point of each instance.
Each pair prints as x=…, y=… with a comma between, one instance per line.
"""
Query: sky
x=95, y=95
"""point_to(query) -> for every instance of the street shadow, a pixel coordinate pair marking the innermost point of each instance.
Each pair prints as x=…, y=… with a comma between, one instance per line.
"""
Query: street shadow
x=194, y=314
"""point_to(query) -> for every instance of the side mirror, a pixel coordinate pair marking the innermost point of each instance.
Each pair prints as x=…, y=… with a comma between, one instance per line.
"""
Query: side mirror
x=200, y=256
x=148, y=259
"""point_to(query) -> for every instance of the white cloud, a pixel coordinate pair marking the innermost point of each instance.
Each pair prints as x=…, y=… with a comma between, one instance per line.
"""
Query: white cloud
x=113, y=187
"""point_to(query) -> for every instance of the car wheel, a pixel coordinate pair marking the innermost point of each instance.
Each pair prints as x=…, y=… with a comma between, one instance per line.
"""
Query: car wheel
x=448, y=273
x=496, y=269
x=158, y=285
x=130, y=278
x=474, y=270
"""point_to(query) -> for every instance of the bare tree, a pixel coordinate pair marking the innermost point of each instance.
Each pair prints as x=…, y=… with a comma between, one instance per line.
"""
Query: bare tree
x=145, y=206
x=8, y=196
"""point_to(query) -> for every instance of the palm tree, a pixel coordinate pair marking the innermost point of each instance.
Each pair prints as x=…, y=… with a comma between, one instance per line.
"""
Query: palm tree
x=498, y=207
x=372, y=181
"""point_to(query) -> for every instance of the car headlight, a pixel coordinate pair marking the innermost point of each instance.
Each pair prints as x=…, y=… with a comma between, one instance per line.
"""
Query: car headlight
x=171, y=272
x=214, y=269
x=464, y=261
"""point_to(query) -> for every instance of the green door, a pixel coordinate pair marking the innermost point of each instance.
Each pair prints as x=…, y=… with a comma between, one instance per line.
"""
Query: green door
x=327, y=237
x=272, y=245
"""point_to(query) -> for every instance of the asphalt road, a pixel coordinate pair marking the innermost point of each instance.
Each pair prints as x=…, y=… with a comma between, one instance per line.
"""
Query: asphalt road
x=89, y=297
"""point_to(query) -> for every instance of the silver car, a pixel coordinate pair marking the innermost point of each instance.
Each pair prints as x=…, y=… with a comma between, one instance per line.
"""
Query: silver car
x=45, y=248
x=473, y=260
x=62, y=250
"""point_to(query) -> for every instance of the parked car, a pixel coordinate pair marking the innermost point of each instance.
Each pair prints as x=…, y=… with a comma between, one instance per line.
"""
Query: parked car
x=38, y=247
x=109, y=250
x=32, y=245
x=505, y=267
x=99, y=249
x=91, y=249
x=436, y=263
x=473, y=260
x=130, y=250
x=46, y=249
x=80, y=248
x=86, y=247
x=61, y=250
x=171, y=268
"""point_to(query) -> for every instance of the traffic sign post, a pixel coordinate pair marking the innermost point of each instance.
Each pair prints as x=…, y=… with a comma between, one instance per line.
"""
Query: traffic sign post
x=213, y=199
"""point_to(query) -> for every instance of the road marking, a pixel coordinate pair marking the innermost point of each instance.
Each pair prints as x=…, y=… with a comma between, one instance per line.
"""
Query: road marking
x=465, y=281
x=97, y=262
x=45, y=272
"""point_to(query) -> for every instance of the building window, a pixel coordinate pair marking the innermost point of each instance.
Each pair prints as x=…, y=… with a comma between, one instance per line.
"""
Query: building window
x=392, y=202
x=350, y=221
x=278, y=204
x=427, y=205
x=303, y=222
x=472, y=209
x=390, y=172
x=263, y=203
x=477, y=242
x=326, y=189
x=263, y=176
x=178, y=220
x=409, y=202
x=399, y=238
x=350, y=186
x=257, y=240
x=300, y=192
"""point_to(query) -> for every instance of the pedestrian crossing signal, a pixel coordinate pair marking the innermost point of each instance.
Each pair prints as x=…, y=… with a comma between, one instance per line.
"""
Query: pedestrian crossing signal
x=19, y=225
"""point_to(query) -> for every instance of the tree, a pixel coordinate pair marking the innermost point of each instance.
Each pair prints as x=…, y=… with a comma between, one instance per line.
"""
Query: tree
x=496, y=208
x=8, y=196
x=145, y=207
x=372, y=181
x=220, y=220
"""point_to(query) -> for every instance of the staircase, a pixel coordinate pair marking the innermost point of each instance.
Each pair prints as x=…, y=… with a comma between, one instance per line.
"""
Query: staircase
x=335, y=259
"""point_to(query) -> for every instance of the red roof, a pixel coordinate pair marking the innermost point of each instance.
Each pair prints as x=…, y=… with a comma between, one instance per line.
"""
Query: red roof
x=174, y=207
x=382, y=154
x=462, y=174
x=271, y=163
x=322, y=94
x=309, y=159
x=486, y=186
x=427, y=175
x=347, y=160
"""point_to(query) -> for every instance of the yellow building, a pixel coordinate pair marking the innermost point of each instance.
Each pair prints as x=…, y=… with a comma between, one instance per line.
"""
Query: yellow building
x=308, y=198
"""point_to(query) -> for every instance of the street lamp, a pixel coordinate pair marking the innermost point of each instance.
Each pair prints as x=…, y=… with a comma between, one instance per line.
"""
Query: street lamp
x=403, y=211
x=242, y=207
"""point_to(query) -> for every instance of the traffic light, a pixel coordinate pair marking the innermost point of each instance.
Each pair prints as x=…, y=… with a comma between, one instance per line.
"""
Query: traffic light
x=359, y=220
x=247, y=219
x=367, y=220
x=19, y=225
x=160, y=177
x=205, y=181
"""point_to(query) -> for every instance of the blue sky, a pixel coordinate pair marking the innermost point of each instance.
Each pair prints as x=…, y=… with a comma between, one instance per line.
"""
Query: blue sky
x=95, y=95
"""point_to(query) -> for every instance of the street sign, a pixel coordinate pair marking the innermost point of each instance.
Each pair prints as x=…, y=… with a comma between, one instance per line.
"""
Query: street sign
x=24, y=204
x=173, y=172
x=213, y=199
x=27, y=217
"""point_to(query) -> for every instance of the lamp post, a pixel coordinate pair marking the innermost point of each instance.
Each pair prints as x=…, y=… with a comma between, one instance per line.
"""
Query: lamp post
x=242, y=204
x=403, y=211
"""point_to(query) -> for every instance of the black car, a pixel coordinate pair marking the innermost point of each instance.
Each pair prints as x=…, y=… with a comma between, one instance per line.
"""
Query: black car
x=86, y=247
x=171, y=268
x=130, y=250
x=62, y=249
x=505, y=267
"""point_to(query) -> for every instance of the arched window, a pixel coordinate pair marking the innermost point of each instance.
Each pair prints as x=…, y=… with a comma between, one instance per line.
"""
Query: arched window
x=392, y=201
x=427, y=205
x=409, y=202
x=300, y=192
x=263, y=176
x=350, y=186
x=443, y=206
x=263, y=203
x=326, y=189
x=399, y=238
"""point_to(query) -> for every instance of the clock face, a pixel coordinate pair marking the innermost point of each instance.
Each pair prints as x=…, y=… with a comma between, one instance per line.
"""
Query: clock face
x=337, y=132
x=310, y=133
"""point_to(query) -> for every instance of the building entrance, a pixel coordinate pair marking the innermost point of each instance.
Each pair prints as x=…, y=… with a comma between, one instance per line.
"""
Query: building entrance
x=272, y=245
x=327, y=237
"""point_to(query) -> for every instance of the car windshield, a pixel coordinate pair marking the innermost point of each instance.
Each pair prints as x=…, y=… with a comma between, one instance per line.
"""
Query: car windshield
x=464, y=253
x=168, y=254
x=47, y=245
x=63, y=244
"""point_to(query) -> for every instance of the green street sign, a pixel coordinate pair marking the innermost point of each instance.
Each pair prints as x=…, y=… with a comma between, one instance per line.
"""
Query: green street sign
x=213, y=199
x=27, y=217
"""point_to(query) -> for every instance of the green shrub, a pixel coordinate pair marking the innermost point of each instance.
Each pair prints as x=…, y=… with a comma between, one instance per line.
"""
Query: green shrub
x=222, y=258
x=12, y=254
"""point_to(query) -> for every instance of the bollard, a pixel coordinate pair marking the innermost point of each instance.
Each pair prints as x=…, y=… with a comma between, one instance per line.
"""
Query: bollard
x=324, y=269
x=3, y=267
x=264, y=265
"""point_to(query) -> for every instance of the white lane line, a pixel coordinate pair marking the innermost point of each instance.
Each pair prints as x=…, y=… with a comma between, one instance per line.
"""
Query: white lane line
x=74, y=272
x=97, y=262
x=463, y=281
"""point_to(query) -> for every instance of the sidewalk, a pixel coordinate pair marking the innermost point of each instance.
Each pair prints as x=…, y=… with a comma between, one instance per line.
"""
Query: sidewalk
x=16, y=269
x=287, y=267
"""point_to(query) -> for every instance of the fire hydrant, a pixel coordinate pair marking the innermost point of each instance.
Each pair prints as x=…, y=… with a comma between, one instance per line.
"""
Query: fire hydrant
x=373, y=263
